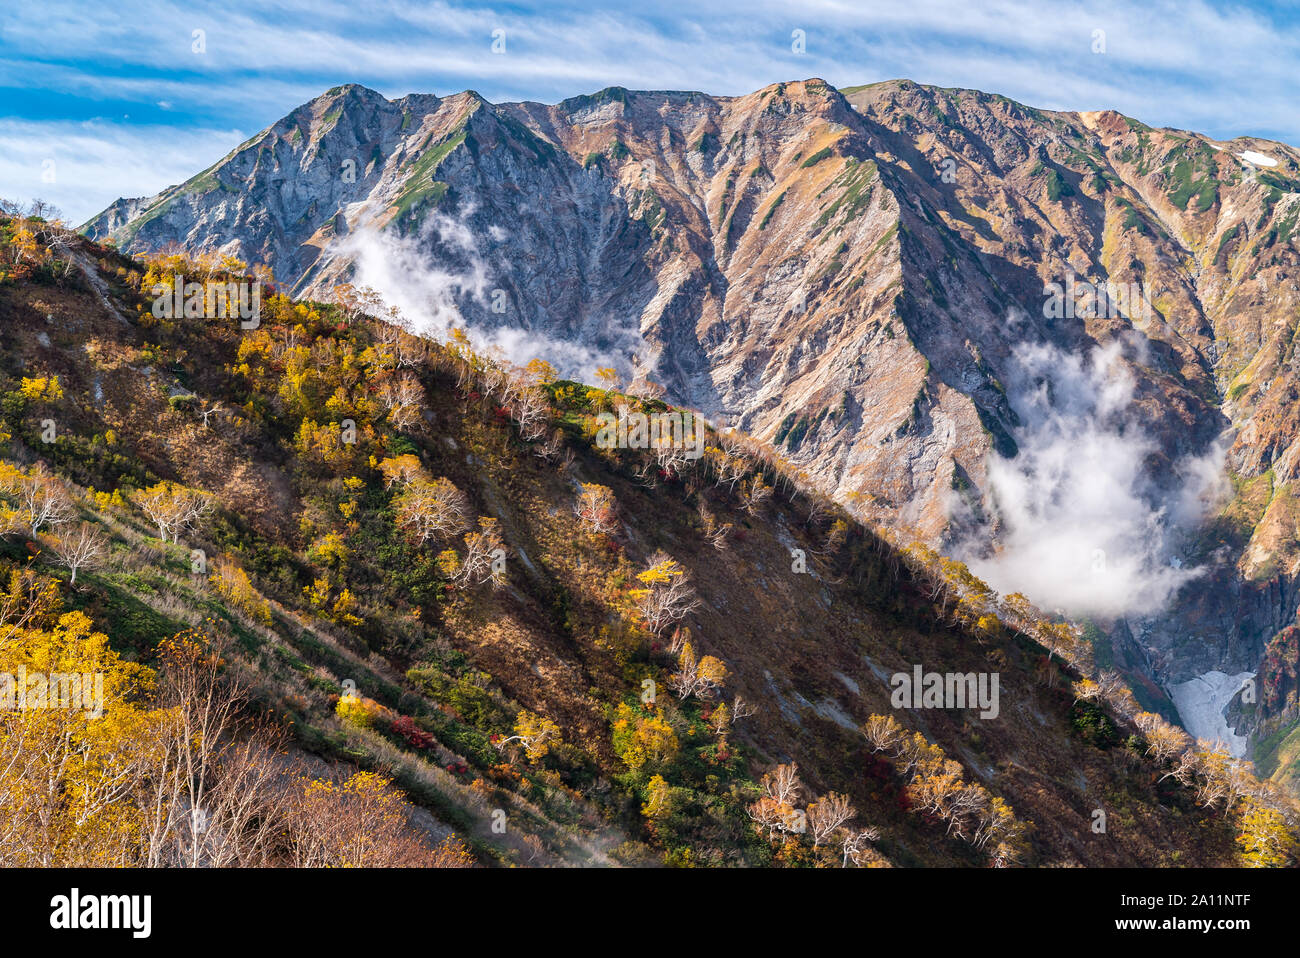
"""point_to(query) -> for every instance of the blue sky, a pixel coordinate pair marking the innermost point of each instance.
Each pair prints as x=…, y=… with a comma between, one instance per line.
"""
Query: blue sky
x=105, y=100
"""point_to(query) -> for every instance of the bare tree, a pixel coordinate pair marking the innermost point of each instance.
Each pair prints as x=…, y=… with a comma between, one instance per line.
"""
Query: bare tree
x=551, y=449
x=345, y=297
x=531, y=411
x=61, y=242
x=433, y=510
x=776, y=809
x=669, y=595
x=41, y=209
x=1164, y=741
x=782, y=784
x=209, y=409
x=670, y=456
x=596, y=508
x=753, y=493
x=403, y=398
x=728, y=467
x=484, y=550
x=214, y=798
x=412, y=350
x=965, y=807
x=884, y=733
x=715, y=532
x=84, y=547
x=1215, y=775
x=741, y=709
x=827, y=814
x=857, y=845
x=42, y=500
x=641, y=385
x=769, y=814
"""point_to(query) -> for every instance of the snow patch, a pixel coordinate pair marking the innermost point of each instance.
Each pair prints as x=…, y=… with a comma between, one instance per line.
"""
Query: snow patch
x=1259, y=159
x=1201, y=703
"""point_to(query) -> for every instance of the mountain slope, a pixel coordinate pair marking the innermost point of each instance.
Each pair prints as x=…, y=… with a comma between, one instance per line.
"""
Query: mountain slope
x=321, y=586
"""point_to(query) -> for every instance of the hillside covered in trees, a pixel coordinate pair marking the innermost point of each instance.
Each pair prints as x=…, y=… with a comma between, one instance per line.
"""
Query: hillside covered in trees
x=362, y=598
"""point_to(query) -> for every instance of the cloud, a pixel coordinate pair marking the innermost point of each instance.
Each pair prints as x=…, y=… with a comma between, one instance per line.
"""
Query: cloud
x=1084, y=526
x=82, y=167
x=440, y=279
x=1221, y=70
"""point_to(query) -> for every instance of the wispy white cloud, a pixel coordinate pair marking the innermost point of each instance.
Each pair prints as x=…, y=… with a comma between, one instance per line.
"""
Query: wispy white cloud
x=82, y=167
x=1084, y=526
x=1221, y=70
x=430, y=292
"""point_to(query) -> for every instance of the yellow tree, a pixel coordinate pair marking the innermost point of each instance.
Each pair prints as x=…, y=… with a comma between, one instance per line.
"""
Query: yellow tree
x=536, y=733
x=233, y=584
x=361, y=823
x=699, y=677
x=1264, y=838
x=658, y=803
x=540, y=371
x=666, y=596
x=74, y=743
x=400, y=470
x=173, y=508
x=640, y=739
x=41, y=389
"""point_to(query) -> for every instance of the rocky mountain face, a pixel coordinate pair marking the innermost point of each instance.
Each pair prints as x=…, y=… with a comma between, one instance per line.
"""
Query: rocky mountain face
x=882, y=282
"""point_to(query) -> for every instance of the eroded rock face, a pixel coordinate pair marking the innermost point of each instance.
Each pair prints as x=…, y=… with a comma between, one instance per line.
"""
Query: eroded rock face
x=852, y=276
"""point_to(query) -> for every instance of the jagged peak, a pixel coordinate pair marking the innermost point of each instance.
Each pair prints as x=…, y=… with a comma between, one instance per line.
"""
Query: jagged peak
x=351, y=89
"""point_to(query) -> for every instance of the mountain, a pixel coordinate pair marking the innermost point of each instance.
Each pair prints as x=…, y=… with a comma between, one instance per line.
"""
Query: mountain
x=426, y=563
x=862, y=279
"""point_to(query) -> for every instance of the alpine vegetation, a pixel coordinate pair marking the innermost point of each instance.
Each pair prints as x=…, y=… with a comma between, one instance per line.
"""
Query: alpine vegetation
x=666, y=431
